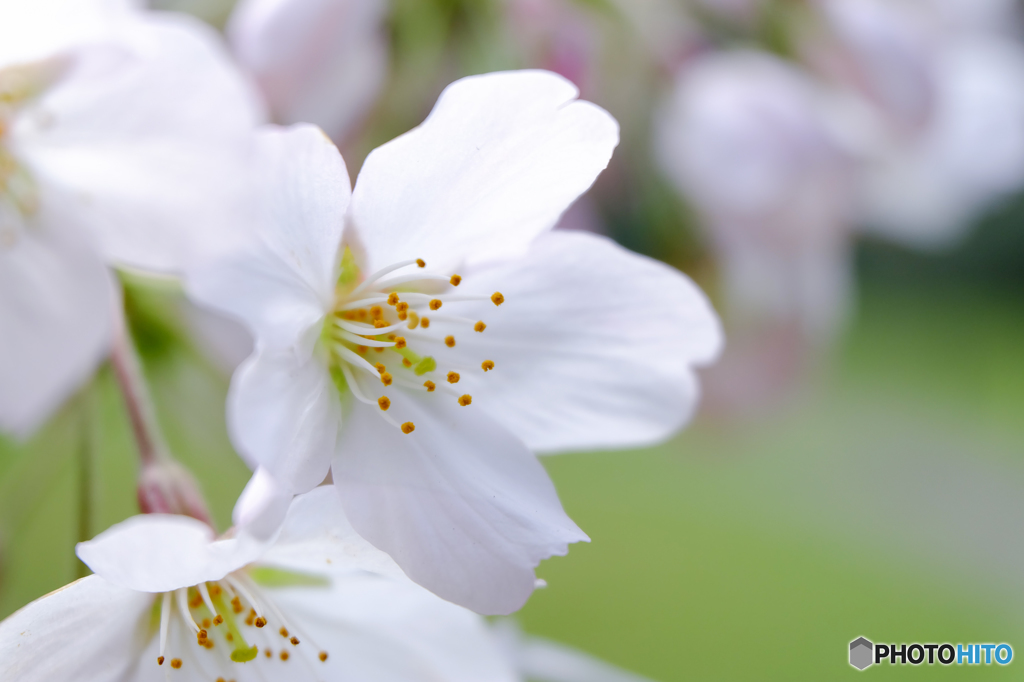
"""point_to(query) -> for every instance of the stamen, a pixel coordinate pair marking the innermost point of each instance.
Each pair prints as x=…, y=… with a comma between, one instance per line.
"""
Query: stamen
x=349, y=356
x=284, y=655
x=402, y=307
x=449, y=341
x=159, y=660
x=400, y=342
x=407, y=428
x=361, y=303
x=393, y=298
x=408, y=279
x=479, y=326
x=283, y=632
x=260, y=621
x=435, y=303
x=185, y=613
x=342, y=335
x=376, y=312
x=205, y=594
x=379, y=324
x=487, y=365
x=386, y=271
x=354, y=387
x=425, y=322
x=176, y=663
x=380, y=367
x=465, y=400
x=165, y=620
x=323, y=656
x=422, y=264
x=385, y=379
x=497, y=298
x=384, y=402
x=455, y=280
x=453, y=377
x=407, y=362
x=294, y=641
x=402, y=315
x=430, y=386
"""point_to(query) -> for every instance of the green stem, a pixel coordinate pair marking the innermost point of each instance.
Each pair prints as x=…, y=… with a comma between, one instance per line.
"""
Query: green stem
x=85, y=475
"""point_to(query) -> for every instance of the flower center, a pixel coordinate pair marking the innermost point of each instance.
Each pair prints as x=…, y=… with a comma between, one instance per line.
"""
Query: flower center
x=18, y=195
x=380, y=331
x=210, y=626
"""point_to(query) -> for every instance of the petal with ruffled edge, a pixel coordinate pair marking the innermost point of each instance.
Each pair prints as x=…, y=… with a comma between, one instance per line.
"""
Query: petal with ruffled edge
x=56, y=305
x=498, y=160
x=88, y=630
x=144, y=142
x=284, y=415
x=321, y=61
x=460, y=504
x=164, y=552
x=594, y=346
x=280, y=278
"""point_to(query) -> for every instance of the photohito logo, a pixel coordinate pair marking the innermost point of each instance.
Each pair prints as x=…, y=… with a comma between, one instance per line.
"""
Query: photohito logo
x=864, y=653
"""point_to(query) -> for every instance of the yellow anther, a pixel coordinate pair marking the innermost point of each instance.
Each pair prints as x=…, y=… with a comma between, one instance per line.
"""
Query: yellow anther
x=261, y=621
x=236, y=605
x=408, y=427
x=201, y=636
x=361, y=314
x=392, y=298
x=380, y=367
x=400, y=342
x=425, y=322
x=497, y=298
x=218, y=619
x=487, y=365
x=449, y=341
x=453, y=377
x=323, y=654
x=414, y=320
x=284, y=655
x=378, y=349
x=207, y=623
x=159, y=660
x=385, y=378
x=176, y=663
x=268, y=653
x=402, y=306
x=294, y=641
x=376, y=312
x=391, y=337
x=215, y=590
x=435, y=303
x=455, y=280
x=479, y=326
x=208, y=644
x=379, y=324
x=465, y=400
x=430, y=386
x=230, y=637
x=402, y=315
x=407, y=362
x=384, y=402
x=283, y=632
x=422, y=264
x=362, y=349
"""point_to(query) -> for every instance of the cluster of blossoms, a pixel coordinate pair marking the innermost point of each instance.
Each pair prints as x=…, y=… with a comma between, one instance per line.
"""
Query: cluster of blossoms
x=419, y=339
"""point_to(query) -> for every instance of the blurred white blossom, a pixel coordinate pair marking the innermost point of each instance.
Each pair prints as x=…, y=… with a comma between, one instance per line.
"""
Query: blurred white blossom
x=316, y=61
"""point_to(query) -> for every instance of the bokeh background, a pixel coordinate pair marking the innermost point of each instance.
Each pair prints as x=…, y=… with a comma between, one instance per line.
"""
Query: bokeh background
x=858, y=464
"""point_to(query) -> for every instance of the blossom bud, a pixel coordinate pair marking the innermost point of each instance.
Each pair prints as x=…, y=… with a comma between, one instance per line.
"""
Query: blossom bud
x=166, y=487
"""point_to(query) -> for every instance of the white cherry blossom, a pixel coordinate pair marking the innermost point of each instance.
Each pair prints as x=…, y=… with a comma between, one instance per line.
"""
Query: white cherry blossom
x=120, y=132
x=316, y=61
x=422, y=336
x=169, y=602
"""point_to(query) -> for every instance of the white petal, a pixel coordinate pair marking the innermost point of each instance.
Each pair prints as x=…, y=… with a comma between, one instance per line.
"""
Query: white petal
x=279, y=279
x=498, y=160
x=36, y=30
x=386, y=630
x=460, y=504
x=164, y=552
x=283, y=414
x=88, y=630
x=56, y=305
x=262, y=506
x=143, y=142
x=594, y=346
x=320, y=61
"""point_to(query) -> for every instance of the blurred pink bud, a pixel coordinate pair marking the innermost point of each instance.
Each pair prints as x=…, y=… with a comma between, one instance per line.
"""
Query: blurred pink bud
x=316, y=61
x=166, y=487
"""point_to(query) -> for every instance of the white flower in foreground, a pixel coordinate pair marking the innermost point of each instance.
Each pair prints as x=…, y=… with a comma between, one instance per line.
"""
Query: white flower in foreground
x=119, y=133
x=381, y=344
x=316, y=61
x=168, y=602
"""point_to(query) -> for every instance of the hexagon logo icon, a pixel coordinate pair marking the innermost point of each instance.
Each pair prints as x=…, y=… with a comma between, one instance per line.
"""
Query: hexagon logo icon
x=861, y=651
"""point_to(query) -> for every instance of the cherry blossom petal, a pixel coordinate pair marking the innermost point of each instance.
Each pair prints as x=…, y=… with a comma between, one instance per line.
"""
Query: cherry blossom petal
x=388, y=630
x=262, y=506
x=594, y=346
x=143, y=141
x=280, y=278
x=498, y=160
x=320, y=61
x=284, y=414
x=164, y=552
x=56, y=314
x=87, y=630
x=460, y=504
